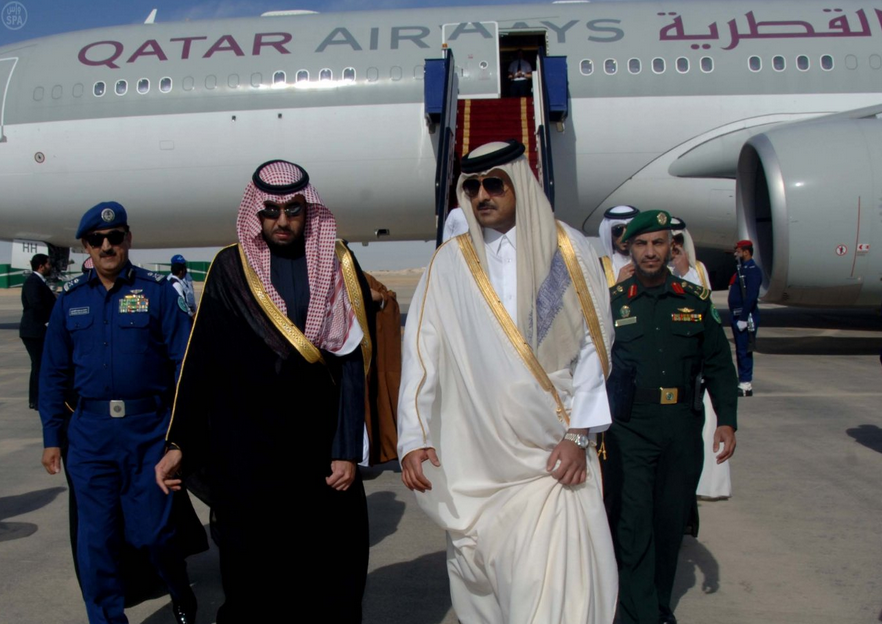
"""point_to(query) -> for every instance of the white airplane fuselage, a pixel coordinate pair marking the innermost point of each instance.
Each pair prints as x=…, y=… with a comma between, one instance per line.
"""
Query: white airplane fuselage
x=189, y=109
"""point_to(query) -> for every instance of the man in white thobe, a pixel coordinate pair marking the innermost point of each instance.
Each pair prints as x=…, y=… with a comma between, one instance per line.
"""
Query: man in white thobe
x=505, y=352
x=617, y=263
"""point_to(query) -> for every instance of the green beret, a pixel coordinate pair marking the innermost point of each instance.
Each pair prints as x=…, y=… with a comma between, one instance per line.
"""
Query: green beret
x=645, y=222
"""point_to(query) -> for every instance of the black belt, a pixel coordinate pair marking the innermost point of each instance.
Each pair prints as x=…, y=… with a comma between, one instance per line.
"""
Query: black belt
x=118, y=408
x=662, y=396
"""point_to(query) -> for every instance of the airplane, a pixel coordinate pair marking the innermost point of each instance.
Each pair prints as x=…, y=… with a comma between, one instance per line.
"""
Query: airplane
x=745, y=119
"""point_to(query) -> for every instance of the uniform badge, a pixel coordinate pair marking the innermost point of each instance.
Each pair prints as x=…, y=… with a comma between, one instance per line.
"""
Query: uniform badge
x=685, y=310
x=625, y=311
x=662, y=218
x=137, y=291
x=619, y=289
x=78, y=311
x=677, y=288
x=688, y=318
x=632, y=292
x=631, y=320
x=183, y=305
x=134, y=303
x=716, y=314
x=108, y=215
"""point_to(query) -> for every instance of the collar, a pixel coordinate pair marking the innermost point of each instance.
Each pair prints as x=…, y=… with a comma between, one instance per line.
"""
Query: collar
x=494, y=238
x=672, y=286
x=40, y=275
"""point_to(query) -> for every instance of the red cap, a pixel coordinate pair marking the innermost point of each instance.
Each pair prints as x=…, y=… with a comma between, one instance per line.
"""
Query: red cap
x=743, y=244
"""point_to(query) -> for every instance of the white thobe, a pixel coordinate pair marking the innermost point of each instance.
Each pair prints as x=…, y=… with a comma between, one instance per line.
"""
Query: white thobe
x=522, y=548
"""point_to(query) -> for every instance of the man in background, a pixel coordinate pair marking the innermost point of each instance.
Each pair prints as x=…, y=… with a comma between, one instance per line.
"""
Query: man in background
x=744, y=290
x=37, y=300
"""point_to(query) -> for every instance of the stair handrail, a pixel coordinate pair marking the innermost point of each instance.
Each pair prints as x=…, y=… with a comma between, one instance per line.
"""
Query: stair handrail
x=543, y=127
x=446, y=144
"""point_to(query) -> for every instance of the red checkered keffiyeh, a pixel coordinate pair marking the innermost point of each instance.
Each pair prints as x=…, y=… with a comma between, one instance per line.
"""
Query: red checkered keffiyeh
x=330, y=314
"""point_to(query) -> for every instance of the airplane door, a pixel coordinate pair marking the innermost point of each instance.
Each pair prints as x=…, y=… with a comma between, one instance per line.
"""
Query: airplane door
x=6, y=67
x=475, y=48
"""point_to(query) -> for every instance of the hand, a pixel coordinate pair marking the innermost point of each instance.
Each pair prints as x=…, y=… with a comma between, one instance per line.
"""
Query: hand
x=167, y=468
x=573, y=466
x=724, y=435
x=342, y=474
x=412, y=469
x=625, y=272
x=376, y=296
x=741, y=325
x=52, y=459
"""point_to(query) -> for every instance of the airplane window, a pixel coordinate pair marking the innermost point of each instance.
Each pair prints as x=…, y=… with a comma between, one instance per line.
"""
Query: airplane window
x=56, y=92
x=419, y=72
x=373, y=74
x=610, y=66
x=210, y=81
x=586, y=67
x=327, y=74
x=233, y=81
x=658, y=65
x=78, y=90
x=826, y=62
x=38, y=94
x=279, y=78
x=875, y=61
x=634, y=65
x=302, y=76
x=256, y=79
x=165, y=84
x=121, y=87
x=395, y=73
x=349, y=73
x=802, y=62
x=707, y=64
x=682, y=64
x=755, y=63
x=188, y=83
x=143, y=85
x=778, y=63
x=851, y=61
x=99, y=88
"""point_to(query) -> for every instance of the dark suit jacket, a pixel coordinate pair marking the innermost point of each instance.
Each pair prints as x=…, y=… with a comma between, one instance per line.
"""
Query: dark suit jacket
x=37, y=299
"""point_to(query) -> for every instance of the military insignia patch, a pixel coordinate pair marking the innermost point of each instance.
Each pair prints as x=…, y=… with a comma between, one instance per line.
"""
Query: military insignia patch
x=625, y=311
x=662, y=218
x=183, y=305
x=677, y=288
x=626, y=321
x=108, y=215
x=78, y=311
x=619, y=289
x=689, y=318
x=134, y=303
x=685, y=310
x=716, y=314
x=632, y=291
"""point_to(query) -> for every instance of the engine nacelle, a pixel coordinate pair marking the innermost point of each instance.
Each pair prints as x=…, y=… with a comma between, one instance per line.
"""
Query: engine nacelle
x=808, y=196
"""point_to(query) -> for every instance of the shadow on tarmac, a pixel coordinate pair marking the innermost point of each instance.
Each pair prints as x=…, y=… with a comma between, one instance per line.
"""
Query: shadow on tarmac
x=11, y=506
x=398, y=592
x=869, y=436
x=384, y=523
x=695, y=557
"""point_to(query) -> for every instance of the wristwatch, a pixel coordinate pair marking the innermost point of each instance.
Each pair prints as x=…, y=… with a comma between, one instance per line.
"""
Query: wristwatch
x=580, y=440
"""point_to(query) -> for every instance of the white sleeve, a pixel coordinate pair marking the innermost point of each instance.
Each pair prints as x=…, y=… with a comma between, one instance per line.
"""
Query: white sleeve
x=590, y=404
x=180, y=288
x=419, y=372
x=353, y=340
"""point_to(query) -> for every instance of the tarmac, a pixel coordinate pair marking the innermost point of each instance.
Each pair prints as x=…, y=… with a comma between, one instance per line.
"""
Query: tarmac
x=799, y=541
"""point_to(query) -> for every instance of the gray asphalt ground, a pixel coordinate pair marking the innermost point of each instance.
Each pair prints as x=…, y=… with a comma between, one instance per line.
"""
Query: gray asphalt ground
x=798, y=542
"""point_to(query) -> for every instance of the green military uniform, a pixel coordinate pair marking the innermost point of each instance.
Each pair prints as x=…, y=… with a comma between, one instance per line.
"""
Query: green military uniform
x=665, y=337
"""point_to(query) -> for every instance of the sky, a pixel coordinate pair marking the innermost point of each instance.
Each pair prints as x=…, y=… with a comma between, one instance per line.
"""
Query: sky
x=28, y=19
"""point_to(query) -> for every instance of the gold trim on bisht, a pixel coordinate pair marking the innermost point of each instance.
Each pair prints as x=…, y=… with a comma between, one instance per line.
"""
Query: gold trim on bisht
x=606, y=262
x=588, y=309
x=353, y=289
x=288, y=329
x=508, y=326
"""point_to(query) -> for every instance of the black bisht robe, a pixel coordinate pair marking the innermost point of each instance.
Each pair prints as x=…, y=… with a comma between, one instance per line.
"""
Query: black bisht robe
x=257, y=423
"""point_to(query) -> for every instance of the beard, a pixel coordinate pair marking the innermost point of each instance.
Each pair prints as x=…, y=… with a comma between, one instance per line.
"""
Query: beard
x=651, y=275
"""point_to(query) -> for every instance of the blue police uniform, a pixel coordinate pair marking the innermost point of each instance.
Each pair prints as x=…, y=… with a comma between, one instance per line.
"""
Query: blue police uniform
x=741, y=308
x=120, y=350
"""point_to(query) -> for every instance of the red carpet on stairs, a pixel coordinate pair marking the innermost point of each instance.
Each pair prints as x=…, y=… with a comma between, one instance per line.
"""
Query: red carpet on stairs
x=482, y=121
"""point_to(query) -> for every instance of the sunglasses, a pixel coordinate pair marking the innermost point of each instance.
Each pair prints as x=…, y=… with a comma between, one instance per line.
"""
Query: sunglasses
x=274, y=212
x=494, y=186
x=96, y=239
x=618, y=230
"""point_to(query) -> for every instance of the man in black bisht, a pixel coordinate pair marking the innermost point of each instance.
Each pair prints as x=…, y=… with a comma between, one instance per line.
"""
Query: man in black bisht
x=270, y=406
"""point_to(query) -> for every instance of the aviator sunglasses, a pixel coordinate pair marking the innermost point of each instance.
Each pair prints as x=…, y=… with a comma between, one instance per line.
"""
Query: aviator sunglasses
x=273, y=212
x=618, y=230
x=96, y=239
x=494, y=186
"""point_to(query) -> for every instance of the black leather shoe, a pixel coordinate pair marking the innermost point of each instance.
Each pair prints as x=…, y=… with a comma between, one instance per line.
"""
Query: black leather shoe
x=184, y=614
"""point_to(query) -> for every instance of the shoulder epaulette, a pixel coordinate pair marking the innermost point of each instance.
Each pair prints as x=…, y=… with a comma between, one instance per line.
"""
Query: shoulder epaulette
x=616, y=291
x=694, y=289
x=77, y=281
x=148, y=275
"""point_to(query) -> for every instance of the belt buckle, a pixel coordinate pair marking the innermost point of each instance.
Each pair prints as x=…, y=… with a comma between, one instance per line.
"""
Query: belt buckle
x=117, y=408
x=668, y=396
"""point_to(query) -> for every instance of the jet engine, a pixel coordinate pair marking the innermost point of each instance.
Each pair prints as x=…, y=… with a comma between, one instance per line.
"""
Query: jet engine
x=808, y=195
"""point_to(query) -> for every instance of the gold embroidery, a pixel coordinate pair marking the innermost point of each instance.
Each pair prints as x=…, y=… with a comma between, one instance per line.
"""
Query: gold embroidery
x=608, y=271
x=288, y=329
x=588, y=310
x=353, y=289
x=508, y=325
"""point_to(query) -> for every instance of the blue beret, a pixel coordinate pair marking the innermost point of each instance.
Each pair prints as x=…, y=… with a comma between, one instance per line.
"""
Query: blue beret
x=178, y=259
x=101, y=217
